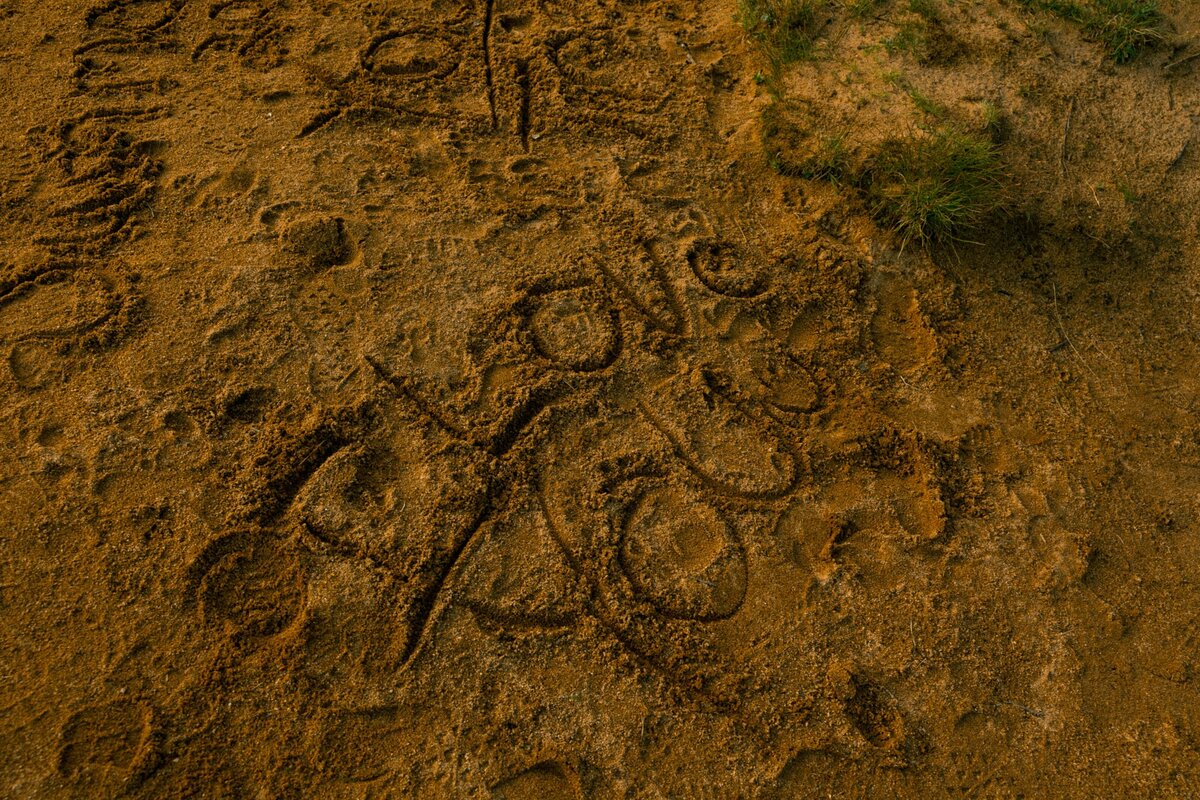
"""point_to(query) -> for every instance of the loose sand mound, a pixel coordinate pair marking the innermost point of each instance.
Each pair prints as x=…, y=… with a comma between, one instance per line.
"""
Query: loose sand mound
x=520, y=399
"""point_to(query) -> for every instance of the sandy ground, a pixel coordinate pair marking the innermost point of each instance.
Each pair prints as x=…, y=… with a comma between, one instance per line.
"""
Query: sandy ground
x=445, y=399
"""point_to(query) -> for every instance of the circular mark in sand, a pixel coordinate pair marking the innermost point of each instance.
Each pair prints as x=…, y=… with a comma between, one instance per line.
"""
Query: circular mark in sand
x=107, y=738
x=30, y=363
x=572, y=327
x=726, y=269
x=314, y=244
x=254, y=588
x=410, y=55
x=788, y=385
x=682, y=557
x=795, y=392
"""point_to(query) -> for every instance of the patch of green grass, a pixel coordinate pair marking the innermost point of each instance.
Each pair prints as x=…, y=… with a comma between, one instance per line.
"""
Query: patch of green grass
x=921, y=33
x=930, y=187
x=925, y=8
x=861, y=9
x=1067, y=9
x=936, y=187
x=1123, y=27
x=787, y=30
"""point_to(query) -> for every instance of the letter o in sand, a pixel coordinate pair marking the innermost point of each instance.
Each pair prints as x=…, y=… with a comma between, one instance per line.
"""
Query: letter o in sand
x=682, y=557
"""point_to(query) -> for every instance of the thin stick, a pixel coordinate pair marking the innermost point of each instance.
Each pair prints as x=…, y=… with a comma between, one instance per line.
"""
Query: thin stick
x=741, y=230
x=1184, y=60
x=1033, y=712
x=1062, y=154
x=1063, y=330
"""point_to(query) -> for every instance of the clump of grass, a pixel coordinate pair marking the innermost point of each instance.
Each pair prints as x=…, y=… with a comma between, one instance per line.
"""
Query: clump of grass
x=926, y=8
x=1124, y=27
x=1067, y=9
x=995, y=123
x=828, y=160
x=797, y=150
x=935, y=187
x=922, y=34
x=861, y=9
x=786, y=29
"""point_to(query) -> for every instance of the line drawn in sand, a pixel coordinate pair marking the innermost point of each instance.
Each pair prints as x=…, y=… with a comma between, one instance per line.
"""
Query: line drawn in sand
x=402, y=75
x=666, y=557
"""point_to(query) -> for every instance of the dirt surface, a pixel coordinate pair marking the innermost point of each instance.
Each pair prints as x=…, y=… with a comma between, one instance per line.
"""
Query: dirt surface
x=445, y=399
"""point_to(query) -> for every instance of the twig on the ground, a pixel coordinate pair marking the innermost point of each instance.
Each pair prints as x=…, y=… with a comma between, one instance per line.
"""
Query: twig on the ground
x=1062, y=153
x=1184, y=60
x=1033, y=712
x=1062, y=329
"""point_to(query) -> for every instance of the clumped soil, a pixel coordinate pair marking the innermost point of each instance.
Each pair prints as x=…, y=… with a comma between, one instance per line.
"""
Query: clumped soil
x=467, y=398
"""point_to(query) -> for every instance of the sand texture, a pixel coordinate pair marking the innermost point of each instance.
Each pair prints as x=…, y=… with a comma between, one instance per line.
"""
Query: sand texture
x=454, y=399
